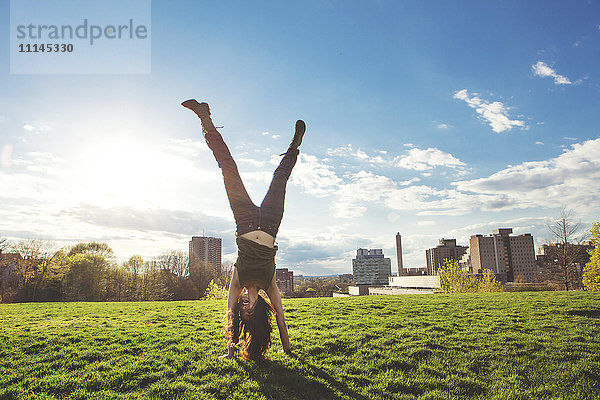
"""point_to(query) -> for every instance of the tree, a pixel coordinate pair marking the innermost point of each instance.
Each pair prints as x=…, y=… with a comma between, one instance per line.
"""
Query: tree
x=153, y=283
x=488, y=283
x=83, y=281
x=8, y=277
x=88, y=278
x=134, y=267
x=215, y=292
x=51, y=287
x=116, y=284
x=591, y=272
x=564, y=250
x=453, y=279
x=180, y=275
x=97, y=248
x=201, y=275
x=31, y=268
x=320, y=287
x=4, y=244
x=175, y=262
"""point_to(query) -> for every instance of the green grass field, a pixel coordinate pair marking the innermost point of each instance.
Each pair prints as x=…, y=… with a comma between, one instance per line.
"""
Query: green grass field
x=473, y=346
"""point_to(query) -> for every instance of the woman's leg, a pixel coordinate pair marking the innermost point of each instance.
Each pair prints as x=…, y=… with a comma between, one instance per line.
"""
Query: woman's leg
x=271, y=209
x=244, y=210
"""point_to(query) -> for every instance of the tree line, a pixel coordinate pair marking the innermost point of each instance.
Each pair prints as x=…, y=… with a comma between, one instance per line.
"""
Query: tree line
x=31, y=271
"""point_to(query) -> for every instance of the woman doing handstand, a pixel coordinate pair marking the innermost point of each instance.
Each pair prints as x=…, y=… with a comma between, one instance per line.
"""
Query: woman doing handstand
x=248, y=313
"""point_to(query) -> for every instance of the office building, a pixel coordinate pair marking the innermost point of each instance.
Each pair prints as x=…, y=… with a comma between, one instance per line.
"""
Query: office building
x=285, y=280
x=206, y=249
x=447, y=249
x=507, y=256
x=370, y=267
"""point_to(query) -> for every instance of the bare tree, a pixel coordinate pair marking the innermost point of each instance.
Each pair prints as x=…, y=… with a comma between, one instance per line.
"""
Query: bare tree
x=564, y=252
x=135, y=268
x=175, y=262
x=153, y=285
x=32, y=267
x=33, y=248
x=4, y=244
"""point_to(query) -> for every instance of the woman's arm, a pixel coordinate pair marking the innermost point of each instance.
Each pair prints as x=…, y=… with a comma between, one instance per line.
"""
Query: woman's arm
x=234, y=290
x=275, y=298
x=232, y=297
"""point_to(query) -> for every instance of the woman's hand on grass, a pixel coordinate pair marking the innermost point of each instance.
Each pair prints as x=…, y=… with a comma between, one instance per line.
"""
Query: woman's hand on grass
x=230, y=353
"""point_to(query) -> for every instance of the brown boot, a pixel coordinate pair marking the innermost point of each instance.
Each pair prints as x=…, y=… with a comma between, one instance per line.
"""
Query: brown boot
x=203, y=112
x=298, y=135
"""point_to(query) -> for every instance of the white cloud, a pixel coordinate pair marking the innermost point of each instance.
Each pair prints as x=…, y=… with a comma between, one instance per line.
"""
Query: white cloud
x=349, y=151
x=273, y=136
x=317, y=178
x=5, y=155
x=187, y=147
x=495, y=113
x=40, y=128
x=574, y=139
x=408, y=182
x=258, y=176
x=529, y=185
x=540, y=143
x=326, y=251
x=542, y=69
x=355, y=193
x=426, y=223
x=416, y=159
x=426, y=159
x=571, y=178
x=443, y=126
x=360, y=190
x=251, y=161
x=45, y=157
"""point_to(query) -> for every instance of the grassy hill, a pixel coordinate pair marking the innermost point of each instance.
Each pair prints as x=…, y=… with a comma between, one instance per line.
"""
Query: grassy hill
x=480, y=346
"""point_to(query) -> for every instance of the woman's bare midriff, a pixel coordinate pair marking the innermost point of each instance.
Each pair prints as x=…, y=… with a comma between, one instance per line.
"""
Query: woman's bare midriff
x=260, y=237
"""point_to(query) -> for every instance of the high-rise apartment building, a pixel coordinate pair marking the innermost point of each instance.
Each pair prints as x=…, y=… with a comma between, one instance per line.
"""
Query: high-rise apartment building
x=370, y=267
x=206, y=249
x=447, y=249
x=284, y=279
x=507, y=256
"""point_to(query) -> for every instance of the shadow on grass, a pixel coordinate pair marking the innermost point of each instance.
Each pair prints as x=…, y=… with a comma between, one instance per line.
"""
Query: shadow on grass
x=307, y=381
x=594, y=314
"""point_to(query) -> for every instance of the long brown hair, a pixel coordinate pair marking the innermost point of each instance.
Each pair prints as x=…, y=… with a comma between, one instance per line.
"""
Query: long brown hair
x=255, y=333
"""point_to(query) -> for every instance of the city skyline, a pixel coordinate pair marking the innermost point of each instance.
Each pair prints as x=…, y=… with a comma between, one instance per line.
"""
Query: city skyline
x=428, y=119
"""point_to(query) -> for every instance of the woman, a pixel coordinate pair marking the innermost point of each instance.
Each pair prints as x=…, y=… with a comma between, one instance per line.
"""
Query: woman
x=249, y=314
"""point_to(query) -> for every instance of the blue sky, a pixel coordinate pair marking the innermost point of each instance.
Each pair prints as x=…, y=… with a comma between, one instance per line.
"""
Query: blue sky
x=434, y=119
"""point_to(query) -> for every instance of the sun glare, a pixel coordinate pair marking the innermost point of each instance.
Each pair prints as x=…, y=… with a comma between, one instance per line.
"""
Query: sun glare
x=121, y=172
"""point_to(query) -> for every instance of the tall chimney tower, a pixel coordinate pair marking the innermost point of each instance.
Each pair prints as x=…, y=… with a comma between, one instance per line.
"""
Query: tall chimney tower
x=399, y=254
